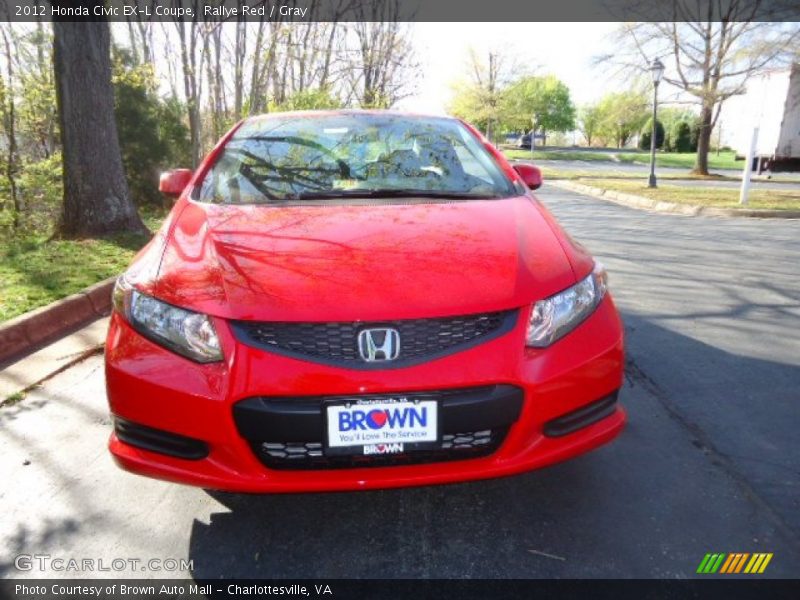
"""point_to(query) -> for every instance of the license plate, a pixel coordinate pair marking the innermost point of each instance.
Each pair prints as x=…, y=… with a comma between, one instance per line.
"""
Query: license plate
x=381, y=426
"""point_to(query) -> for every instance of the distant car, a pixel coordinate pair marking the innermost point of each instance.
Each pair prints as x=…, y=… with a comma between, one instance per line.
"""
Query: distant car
x=351, y=300
x=524, y=141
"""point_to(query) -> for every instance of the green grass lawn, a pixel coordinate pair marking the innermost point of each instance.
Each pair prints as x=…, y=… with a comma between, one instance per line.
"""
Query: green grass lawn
x=717, y=197
x=549, y=172
x=681, y=160
x=517, y=153
x=35, y=270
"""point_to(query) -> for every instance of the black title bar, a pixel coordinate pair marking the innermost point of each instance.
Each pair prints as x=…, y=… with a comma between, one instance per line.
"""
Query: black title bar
x=401, y=10
x=732, y=588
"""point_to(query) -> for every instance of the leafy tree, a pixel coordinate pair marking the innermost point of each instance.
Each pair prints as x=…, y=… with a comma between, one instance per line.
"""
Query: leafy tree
x=646, y=135
x=623, y=114
x=480, y=98
x=589, y=122
x=29, y=123
x=315, y=99
x=546, y=98
x=174, y=132
x=38, y=122
x=712, y=49
x=151, y=131
x=10, y=159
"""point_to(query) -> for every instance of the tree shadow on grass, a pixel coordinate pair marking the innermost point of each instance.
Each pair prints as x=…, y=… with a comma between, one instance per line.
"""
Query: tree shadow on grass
x=39, y=271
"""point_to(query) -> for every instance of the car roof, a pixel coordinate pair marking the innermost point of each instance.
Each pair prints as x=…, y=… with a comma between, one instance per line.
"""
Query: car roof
x=347, y=111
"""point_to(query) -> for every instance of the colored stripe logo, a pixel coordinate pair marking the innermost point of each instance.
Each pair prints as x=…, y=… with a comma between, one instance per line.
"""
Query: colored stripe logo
x=736, y=562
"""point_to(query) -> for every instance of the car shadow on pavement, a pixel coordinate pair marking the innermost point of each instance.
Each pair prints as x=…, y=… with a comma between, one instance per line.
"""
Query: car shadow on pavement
x=439, y=531
x=699, y=466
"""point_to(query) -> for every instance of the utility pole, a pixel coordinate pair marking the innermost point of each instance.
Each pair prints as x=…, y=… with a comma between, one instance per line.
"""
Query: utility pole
x=748, y=167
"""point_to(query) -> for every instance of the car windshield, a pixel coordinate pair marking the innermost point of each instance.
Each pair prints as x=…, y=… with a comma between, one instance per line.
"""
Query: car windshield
x=352, y=155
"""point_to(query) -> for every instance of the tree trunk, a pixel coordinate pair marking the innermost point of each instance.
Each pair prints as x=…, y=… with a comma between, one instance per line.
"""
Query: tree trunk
x=213, y=88
x=703, y=141
x=190, y=84
x=240, y=53
x=132, y=40
x=96, y=196
x=145, y=31
x=255, y=78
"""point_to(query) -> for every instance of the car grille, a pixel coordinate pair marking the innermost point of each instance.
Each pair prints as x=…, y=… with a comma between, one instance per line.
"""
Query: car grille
x=337, y=343
x=309, y=455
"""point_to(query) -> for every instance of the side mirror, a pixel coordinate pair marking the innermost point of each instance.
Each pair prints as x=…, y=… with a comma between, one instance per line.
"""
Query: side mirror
x=172, y=183
x=532, y=176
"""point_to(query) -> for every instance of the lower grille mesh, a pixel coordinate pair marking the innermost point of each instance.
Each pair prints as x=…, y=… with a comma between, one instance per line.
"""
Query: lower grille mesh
x=309, y=455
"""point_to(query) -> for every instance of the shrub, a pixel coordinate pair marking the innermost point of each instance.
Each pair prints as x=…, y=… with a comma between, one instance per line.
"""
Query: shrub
x=681, y=137
x=646, y=134
x=668, y=146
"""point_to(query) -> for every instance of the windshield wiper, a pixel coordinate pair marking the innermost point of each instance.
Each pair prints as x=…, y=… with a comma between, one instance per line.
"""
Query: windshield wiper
x=386, y=193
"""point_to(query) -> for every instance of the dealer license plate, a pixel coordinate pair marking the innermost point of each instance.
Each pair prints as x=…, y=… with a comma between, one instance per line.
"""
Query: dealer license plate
x=383, y=426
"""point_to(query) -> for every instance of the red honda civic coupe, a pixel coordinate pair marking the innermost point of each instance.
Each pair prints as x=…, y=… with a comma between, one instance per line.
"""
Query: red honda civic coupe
x=354, y=300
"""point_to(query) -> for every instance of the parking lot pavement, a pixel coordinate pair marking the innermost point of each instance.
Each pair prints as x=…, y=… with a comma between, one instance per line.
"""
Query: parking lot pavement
x=708, y=463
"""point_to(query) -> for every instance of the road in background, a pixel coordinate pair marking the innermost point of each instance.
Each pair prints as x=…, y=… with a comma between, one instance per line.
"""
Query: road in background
x=786, y=181
x=708, y=463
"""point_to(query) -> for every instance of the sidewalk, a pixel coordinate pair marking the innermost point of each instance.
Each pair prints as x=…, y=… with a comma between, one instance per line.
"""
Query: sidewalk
x=43, y=364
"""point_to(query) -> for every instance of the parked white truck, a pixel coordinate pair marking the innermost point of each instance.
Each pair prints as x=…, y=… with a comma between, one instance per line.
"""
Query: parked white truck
x=772, y=104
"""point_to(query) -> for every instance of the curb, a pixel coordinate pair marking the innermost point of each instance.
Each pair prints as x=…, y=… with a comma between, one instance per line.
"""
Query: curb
x=691, y=210
x=24, y=333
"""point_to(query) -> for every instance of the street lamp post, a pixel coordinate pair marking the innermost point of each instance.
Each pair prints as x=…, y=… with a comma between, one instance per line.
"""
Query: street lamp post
x=656, y=70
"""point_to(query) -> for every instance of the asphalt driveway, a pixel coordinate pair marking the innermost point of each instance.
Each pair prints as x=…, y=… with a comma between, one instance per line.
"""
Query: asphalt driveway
x=710, y=461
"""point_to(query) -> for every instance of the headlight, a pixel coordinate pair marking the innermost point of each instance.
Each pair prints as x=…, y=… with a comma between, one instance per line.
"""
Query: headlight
x=554, y=317
x=188, y=333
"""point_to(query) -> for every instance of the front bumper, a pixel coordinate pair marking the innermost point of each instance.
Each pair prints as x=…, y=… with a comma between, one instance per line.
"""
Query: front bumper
x=567, y=406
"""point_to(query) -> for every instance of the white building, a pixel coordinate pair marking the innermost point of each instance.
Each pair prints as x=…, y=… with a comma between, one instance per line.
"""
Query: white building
x=772, y=104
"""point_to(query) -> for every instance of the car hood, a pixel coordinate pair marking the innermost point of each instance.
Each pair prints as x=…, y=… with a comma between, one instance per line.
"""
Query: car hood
x=360, y=262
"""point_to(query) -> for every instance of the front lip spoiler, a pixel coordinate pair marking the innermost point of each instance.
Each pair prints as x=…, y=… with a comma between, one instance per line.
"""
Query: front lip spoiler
x=583, y=417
